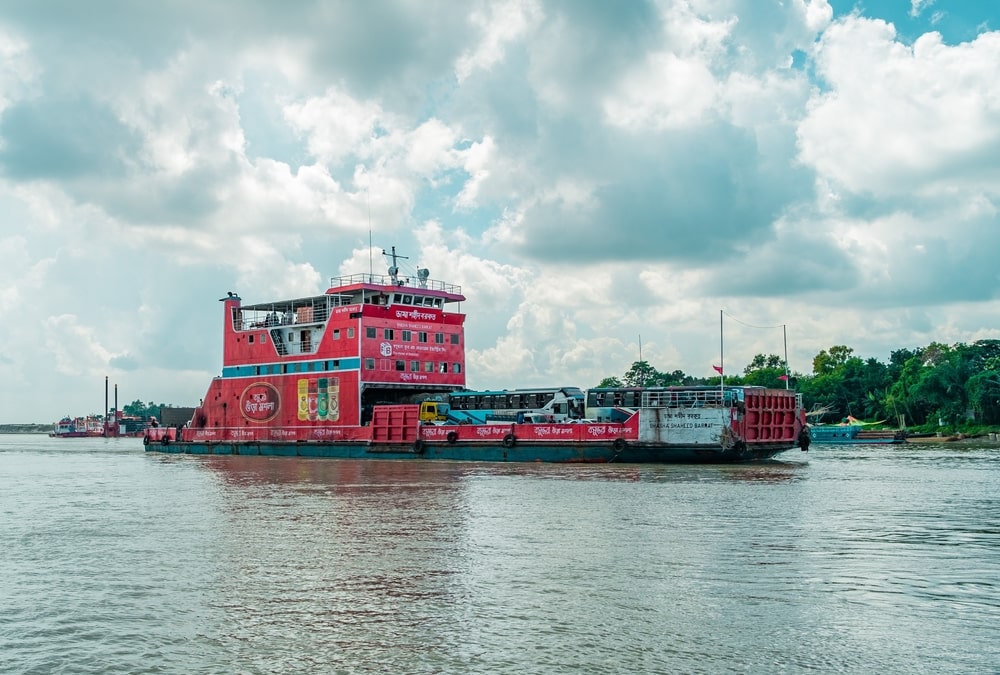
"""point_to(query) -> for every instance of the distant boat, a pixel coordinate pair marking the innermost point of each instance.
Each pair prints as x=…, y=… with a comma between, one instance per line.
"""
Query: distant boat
x=854, y=432
x=78, y=427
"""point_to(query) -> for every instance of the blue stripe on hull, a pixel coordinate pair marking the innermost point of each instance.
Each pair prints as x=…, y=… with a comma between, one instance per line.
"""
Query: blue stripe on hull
x=310, y=367
x=561, y=453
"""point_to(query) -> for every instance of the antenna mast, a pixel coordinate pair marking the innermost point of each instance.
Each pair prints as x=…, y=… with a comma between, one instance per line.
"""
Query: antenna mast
x=393, y=269
x=368, y=199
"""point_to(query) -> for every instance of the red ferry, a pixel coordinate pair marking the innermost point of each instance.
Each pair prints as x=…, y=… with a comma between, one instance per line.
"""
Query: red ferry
x=78, y=427
x=352, y=373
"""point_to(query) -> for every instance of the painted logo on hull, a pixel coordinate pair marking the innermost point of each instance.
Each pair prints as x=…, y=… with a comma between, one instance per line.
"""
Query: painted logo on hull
x=260, y=402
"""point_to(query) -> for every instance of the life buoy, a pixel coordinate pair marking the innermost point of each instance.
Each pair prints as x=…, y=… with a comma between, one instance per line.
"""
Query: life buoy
x=165, y=440
x=145, y=440
x=619, y=444
x=452, y=436
x=509, y=440
x=418, y=446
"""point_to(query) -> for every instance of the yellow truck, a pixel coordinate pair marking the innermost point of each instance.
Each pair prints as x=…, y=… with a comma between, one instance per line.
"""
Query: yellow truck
x=432, y=412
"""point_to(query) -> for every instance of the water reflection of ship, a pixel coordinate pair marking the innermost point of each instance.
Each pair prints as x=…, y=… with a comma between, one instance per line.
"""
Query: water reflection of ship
x=772, y=472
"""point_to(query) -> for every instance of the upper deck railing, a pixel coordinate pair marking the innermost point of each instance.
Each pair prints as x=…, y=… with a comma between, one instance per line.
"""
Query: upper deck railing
x=400, y=282
x=686, y=398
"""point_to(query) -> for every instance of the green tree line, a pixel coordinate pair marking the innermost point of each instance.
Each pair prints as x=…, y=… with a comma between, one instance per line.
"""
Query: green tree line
x=949, y=385
x=143, y=410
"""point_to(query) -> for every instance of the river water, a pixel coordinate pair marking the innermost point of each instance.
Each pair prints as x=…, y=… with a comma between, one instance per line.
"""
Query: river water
x=857, y=559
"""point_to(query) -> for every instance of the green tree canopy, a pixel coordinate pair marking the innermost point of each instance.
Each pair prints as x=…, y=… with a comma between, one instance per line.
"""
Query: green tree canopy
x=915, y=386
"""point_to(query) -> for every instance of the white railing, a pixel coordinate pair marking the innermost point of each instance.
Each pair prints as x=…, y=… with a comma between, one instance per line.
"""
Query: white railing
x=386, y=280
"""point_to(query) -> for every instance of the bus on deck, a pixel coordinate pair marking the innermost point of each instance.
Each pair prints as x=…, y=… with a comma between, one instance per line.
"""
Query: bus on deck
x=553, y=404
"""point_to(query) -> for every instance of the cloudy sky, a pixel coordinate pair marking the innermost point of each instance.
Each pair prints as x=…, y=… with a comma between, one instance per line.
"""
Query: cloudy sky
x=594, y=174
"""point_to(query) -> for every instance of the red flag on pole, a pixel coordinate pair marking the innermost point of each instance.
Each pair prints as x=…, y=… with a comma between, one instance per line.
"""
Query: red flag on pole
x=718, y=369
x=783, y=377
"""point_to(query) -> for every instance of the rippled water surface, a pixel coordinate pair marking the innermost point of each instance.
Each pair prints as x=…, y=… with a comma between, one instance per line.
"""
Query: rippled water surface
x=857, y=559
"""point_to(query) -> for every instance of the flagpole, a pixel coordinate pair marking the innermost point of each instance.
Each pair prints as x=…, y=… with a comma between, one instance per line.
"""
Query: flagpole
x=722, y=361
x=784, y=333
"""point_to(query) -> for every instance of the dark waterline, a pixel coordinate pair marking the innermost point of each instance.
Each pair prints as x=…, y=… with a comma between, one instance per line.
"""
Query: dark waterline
x=845, y=559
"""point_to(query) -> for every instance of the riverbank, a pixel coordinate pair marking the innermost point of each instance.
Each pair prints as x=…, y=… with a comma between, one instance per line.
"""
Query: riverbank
x=990, y=438
x=25, y=428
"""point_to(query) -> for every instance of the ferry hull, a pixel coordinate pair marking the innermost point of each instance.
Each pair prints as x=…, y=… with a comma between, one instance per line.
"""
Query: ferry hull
x=569, y=453
x=761, y=426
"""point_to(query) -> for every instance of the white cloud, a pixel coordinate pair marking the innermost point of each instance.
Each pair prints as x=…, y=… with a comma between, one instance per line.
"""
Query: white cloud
x=918, y=119
x=666, y=92
x=498, y=24
x=336, y=125
x=918, y=6
x=18, y=68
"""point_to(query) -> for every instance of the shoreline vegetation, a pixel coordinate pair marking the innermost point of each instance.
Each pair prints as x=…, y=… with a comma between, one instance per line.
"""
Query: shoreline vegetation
x=940, y=391
x=25, y=428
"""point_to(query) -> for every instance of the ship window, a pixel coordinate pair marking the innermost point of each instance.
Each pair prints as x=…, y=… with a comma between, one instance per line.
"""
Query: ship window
x=350, y=333
x=369, y=364
x=421, y=337
x=407, y=299
x=414, y=366
x=439, y=338
x=263, y=338
x=428, y=366
x=370, y=331
x=444, y=367
x=336, y=363
x=407, y=335
x=336, y=333
x=456, y=367
x=400, y=364
x=396, y=298
x=389, y=334
x=251, y=338
x=454, y=338
x=428, y=302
